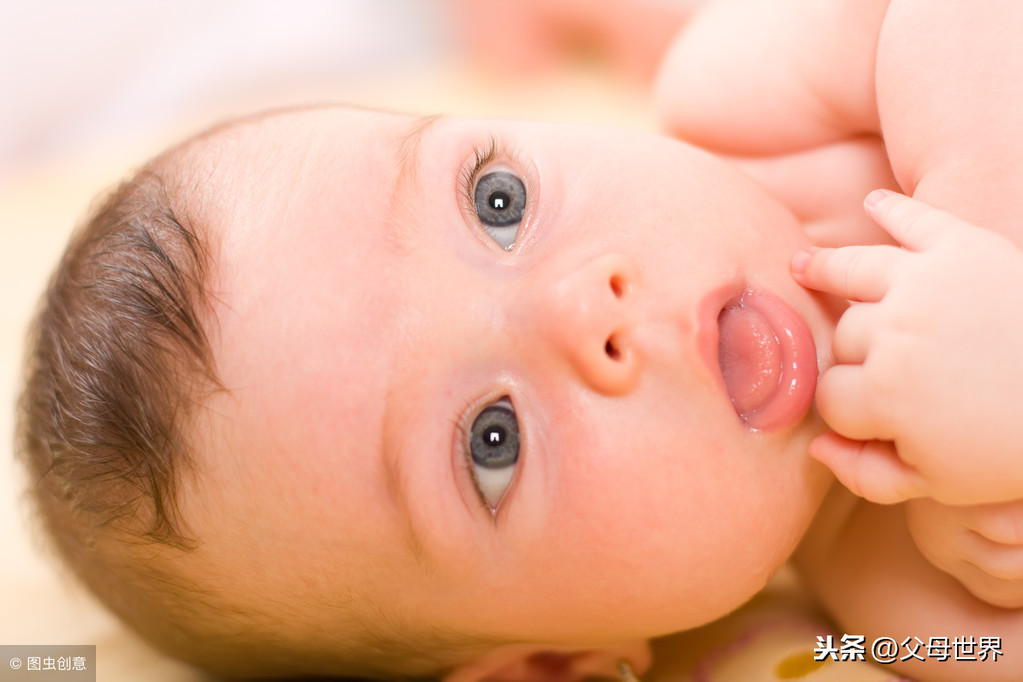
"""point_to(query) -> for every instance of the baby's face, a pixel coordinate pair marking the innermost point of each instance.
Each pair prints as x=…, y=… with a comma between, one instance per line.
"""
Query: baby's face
x=523, y=441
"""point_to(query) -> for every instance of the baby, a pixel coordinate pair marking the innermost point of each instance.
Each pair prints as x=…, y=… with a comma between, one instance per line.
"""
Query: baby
x=359, y=393
x=340, y=392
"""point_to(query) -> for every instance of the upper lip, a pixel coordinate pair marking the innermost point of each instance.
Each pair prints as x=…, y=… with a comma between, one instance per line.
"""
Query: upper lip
x=708, y=311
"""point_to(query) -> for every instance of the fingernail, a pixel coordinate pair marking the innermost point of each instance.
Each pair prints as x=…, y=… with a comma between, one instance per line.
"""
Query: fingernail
x=800, y=261
x=876, y=197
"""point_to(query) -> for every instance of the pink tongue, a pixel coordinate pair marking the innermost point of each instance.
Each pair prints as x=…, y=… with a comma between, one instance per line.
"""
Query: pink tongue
x=749, y=356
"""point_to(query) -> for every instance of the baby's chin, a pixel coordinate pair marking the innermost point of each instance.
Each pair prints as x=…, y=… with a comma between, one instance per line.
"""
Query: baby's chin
x=732, y=585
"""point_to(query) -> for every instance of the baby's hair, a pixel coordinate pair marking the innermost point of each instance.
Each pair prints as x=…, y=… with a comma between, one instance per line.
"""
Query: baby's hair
x=119, y=364
x=116, y=356
x=117, y=359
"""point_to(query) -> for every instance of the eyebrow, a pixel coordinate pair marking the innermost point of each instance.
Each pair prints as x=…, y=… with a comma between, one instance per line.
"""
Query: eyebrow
x=401, y=235
x=396, y=478
x=408, y=151
x=409, y=146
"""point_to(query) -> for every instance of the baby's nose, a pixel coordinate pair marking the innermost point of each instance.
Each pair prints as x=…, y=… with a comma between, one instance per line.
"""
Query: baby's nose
x=588, y=316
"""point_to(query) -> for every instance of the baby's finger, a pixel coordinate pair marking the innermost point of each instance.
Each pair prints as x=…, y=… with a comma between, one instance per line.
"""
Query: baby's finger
x=856, y=273
x=853, y=334
x=869, y=469
x=999, y=522
x=847, y=405
x=911, y=222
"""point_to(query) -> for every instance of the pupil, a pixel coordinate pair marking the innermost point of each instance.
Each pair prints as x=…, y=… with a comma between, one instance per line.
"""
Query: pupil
x=499, y=201
x=495, y=436
x=494, y=440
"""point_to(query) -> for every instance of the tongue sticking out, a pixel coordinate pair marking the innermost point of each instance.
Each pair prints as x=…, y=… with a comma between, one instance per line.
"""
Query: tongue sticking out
x=750, y=357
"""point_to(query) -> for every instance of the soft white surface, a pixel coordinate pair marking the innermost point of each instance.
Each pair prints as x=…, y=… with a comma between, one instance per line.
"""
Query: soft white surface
x=92, y=72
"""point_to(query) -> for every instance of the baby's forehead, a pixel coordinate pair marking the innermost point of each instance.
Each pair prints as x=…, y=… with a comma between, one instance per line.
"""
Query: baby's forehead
x=298, y=204
x=302, y=124
x=248, y=153
x=233, y=175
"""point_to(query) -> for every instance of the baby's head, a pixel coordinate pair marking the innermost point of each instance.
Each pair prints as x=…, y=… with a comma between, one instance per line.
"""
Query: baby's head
x=347, y=392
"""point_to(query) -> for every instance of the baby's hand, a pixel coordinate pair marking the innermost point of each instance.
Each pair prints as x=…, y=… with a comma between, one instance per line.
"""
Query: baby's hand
x=925, y=396
x=981, y=546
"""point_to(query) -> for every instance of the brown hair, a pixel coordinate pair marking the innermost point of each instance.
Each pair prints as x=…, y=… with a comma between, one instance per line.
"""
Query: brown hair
x=117, y=359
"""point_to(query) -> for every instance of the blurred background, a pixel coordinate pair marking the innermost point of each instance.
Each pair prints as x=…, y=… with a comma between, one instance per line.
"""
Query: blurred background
x=93, y=89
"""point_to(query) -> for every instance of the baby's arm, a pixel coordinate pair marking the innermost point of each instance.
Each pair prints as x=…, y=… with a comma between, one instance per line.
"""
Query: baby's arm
x=925, y=393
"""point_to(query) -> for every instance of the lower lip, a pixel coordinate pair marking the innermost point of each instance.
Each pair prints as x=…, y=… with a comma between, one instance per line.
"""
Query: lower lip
x=768, y=360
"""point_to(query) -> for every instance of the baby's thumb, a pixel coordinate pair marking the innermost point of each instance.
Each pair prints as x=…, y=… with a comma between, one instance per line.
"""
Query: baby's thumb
x=870, y=469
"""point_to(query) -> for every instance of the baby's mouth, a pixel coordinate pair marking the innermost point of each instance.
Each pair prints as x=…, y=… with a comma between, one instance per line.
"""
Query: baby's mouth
x=768, y=360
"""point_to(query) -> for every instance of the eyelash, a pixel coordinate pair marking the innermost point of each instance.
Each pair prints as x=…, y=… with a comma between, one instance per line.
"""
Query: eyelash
x=484, y=155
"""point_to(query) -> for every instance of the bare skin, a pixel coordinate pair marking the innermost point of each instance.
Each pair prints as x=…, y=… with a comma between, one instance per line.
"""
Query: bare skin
x=830, y=76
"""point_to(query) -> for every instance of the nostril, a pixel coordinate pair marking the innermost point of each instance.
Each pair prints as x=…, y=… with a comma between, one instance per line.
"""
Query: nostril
x=617, y=286
x=611, y=348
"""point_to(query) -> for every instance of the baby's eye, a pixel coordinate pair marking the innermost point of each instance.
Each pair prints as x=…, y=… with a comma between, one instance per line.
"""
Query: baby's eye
x=500, y=202
x=494, y=446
